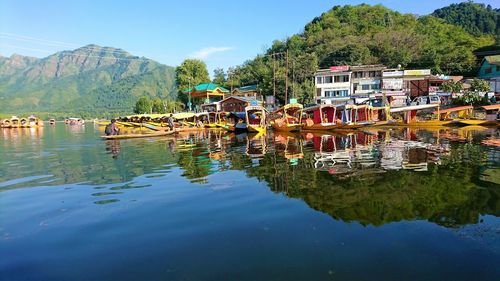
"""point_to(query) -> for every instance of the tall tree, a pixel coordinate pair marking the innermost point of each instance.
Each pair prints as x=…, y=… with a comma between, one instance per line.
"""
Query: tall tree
x=158, y=106
x=190, y=73
x=219, y=77
x=143, y=105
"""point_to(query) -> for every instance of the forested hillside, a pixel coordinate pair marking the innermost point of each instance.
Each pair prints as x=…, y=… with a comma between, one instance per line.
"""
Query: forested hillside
x=362, y=34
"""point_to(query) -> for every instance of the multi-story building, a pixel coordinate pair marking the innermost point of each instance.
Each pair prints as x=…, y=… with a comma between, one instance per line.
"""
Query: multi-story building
x=392, y=87
x=366, y=79
x=416, y=82
x=490, y=71
x=333, y=85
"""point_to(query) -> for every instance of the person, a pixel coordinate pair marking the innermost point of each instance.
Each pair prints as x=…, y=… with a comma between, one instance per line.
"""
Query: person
x=112, y=129
x=171, y=122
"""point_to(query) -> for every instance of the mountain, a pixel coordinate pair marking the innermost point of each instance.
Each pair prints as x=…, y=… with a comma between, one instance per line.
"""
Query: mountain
x=362, y=34
x=92, y=79
x=477, y=19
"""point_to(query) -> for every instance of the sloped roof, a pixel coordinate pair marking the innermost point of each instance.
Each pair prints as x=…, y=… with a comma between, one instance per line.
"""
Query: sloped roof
x=493, y=59
x=248, y=88
x=243, y=99
x=206, y=87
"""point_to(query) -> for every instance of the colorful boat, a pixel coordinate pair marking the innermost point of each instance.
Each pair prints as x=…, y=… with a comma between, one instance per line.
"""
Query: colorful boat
x=74, y=121
x=256, y=118
x=409, y=116
x=379, y=115
x=134, y=136
x=488, y=116
x=236, y=122
x=455, y=114
x=288, y=118
x=320, y=118
x=221, y=119
x=354, y=116
x=52, y=121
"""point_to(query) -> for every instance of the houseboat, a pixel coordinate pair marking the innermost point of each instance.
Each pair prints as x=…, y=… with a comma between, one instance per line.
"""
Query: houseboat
x=288, y=118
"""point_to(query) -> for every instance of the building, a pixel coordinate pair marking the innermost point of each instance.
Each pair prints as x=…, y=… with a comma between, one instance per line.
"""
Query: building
x=237, y=104
x=392, y=87
x=490, y=71
x=366, y=79
x=416, y=82
x=333, y=85
x=249, y=91
x=207, y=92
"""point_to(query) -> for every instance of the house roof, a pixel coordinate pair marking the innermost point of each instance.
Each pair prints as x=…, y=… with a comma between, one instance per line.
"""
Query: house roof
x=243, y=99
x=249, y=88
x=493, y=59
x=206, y=87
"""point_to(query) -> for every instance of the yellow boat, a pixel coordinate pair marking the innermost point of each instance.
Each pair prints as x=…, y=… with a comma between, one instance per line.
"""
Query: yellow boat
x=490, y=116
x=320, y=118
x=288, y=118
x=354, y=116
x=409, y=118
x=256, y=119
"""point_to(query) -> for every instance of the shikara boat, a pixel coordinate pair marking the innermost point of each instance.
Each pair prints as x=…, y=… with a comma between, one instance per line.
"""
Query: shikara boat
x=5, y=123
x=221, y=119
x=236, y=122
x=256, y=118
x=52, y=121
x=354, y=116
x=134, y=136
x=288, y=118
x=410, y=116
x=379, y=115
x=320, y=118
x=490, y=116
x=455, y=114
x=74, y=121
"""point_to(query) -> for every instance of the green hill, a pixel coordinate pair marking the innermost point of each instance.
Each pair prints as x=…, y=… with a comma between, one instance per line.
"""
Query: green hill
x=91, y=80
x=477, y=19
x=362, y=34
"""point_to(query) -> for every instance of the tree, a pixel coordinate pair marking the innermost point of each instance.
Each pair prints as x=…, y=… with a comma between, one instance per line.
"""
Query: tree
x=158, y=106
x=190, y=73
x=451, y=87
x=479, y=85
x=143, y=105
x=219, y=77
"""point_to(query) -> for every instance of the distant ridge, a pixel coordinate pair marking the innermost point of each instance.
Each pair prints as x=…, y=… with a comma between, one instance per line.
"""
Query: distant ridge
x=91, y=79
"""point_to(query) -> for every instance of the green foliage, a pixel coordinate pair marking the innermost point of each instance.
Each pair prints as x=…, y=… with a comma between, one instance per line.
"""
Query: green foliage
x=97, y=88
x=158, y=106
x=143, y=105
x=477, y=19
x=479, y=85
x=190, y=73
x=219, y=77
x=471, y=98
x=451, y=87
x=362, y=34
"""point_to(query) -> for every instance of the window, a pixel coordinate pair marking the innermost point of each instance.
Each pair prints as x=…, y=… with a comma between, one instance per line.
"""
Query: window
x=319, y=80
x=488, y=70
x=375, y=87
x=372, y=74
x=336, y=93
x=328, y=79
x=365, y=87
x=341, y=78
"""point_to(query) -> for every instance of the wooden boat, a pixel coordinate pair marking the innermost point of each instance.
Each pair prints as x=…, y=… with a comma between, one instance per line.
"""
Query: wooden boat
x=320, y=118
x=221, y=119
x=379, y=115
x=354, y=116
x=211, y=120
x=134, y=136
x=5, y=123
x=255, y=118
x=490, y=116
x=23, y=123
x=409, y=116
x=74, y=121
x=454, y=114
x=52, y=121
x=288, y=118
x=34, y=122
x=236, y=122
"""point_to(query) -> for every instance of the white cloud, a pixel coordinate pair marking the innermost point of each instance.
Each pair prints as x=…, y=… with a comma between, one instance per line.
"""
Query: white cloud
x=206, y=52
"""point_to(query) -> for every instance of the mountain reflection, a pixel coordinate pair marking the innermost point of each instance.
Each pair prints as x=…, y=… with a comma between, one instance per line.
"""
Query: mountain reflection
x=371, y=177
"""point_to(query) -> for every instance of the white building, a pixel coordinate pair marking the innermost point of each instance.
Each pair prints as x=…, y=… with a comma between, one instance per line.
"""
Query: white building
x=366, y=79
x=333, y=85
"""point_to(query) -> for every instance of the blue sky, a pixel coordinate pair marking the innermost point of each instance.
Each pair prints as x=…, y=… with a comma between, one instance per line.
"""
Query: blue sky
x=223, y=33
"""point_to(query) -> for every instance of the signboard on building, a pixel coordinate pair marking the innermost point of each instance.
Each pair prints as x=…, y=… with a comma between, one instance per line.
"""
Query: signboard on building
x=339, y=68
x=417, y=72
x=392, y=84
x=392, y=73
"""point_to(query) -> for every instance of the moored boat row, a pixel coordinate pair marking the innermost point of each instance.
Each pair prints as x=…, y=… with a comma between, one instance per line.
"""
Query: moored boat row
x=16, y=122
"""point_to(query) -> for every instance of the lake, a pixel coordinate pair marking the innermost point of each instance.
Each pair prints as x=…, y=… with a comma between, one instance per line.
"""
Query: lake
x=379, y=204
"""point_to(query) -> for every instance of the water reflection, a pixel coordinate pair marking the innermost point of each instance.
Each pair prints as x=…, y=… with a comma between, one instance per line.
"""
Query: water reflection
x=373, y=176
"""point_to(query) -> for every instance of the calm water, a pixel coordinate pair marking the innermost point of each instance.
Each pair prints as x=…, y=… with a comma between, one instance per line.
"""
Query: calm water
x=381, y=205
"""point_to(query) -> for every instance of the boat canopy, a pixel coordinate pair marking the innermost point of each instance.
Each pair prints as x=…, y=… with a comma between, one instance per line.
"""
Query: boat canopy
x=316, y=107
x=183, y=115
x=454, y=109
x=413, y=107
x=492, y=107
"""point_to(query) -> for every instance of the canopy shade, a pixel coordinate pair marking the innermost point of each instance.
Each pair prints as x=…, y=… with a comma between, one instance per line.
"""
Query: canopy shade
x=206, y=90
